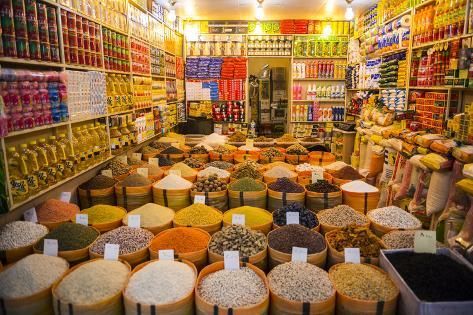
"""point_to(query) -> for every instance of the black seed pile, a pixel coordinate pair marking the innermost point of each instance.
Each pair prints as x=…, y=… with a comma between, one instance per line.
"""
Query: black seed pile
x=306, y=217
x=294, y=235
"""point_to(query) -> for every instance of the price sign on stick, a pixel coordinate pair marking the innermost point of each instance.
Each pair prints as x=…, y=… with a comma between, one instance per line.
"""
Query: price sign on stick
x=292, y=217
x=153, y=161
x=143, y=171
x=134, y=220
x=30, y=215
x=317, y=174
x=352, y=255
x=122, y=159
x=299, y=254
x=111, y=251
x=107, y=173
x=231, y=259
x=425, y=242
x=137, y=156
x=250, y=143
x=199, y=199
x=166, y=254
x=66, y=196
x=238, y=219
x=82, y=218
x=50, y=247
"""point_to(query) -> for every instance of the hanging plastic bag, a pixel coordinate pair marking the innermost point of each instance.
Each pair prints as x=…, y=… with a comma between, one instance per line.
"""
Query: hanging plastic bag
x=437, y=195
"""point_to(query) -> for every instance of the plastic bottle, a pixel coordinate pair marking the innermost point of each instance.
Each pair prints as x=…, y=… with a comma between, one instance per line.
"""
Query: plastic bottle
x=88, y=146
x=18, y=171
x=52, y=159
x=96, y=142
x=80, y=153
x=33, y=168
x=67, y=154
x=44, y=178
x=60, y=165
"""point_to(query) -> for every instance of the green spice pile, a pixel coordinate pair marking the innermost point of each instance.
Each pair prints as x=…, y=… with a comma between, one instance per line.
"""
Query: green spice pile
x=237, y=137
x=118, y=168
x=219, y=164
x=295, y=235
x=247, y=169
x=194, y=163
x=363, y=282
x=171, y=150
x=237, y=237
x=271, y=153
x=300, y=282
x=284, y=184
x=99, y=214
x=341, y=216
x=20, y=233
x=31, y=275
x=322, y=186
x=70, y=236
x=246, y=184
x=197, y=215
x=135, y=180
x=98, y=182
x=355, y=237
x=198, y=150
x=149, y=150
x=130, y=240
x=159, y=145
x=209, y=184
x=296, y=149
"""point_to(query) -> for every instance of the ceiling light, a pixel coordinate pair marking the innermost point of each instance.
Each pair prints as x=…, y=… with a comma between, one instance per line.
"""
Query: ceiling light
x=172, y=12
x=259, y=10
x=349, y=14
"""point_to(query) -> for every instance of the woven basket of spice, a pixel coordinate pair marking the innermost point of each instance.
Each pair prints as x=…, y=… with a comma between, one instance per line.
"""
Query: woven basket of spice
x=387, y=219
x=221, y=156
x=340, y=216
x=98, y=190
x=187, y=242
x=241, y=157
x=276, y=172
x=257, y=219
x=305, y=178
x=172, y=153
x=153, y=217
x=104, y=217
x=271, y=155
x=200, y=216
x=247, y=192
x=321, y=158
x=173, y=192
x=213, y=189
x=322, y=195
x=283, y=192
x=53, y=213
x=133, y=192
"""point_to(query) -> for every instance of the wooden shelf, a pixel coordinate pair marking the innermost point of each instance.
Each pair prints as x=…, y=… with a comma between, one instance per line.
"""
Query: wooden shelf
x=31, y=62
x=25, y=131
x=392, y=19
x=315, y=79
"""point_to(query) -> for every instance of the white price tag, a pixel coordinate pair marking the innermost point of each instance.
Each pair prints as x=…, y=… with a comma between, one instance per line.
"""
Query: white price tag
x=153, y=161
x=50, y=247
x=176, y=145
x=82, y=218
x=238, y=219
x=352, y=255
x=139, y=137
x=136, y=156
x=122, y=159
x=111, y=251
x=166, y=254
x=65, y=196
x=292, y=217
x=425, y=242
x=134, y=220
x=199, y=199
x=250, y=143
x=231, y=259
x=30, y=215
x=175, y=172
x=143, y=171
x=317, y=174
x=107, y=173
x=299, y=254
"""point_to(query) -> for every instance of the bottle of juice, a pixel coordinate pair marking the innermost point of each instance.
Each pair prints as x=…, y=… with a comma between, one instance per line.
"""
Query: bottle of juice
x=33, y=167
x=80, y=153
x=60, y=165
x=44, y=178
x=67, y=154
x=52, y=159
x=18, y=170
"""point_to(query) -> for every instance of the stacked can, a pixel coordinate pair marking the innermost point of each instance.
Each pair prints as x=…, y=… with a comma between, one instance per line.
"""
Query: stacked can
x=43, y=30
x=33, y=29
x=8, y=29
x=115, y=50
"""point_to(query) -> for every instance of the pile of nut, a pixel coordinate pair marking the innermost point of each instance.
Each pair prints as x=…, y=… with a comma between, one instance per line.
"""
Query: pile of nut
x=118, y=168
x=194, y=163
x=238, y=237
x=296, y=149
x=209, y=184
x=271, y=153
x=198, y=150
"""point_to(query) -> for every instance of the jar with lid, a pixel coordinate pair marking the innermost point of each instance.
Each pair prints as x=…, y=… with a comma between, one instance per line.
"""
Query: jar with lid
x=132, y=136
x=125, y=139
x=115, y=140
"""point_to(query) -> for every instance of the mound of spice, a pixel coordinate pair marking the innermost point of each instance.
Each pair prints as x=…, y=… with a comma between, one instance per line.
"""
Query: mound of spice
x=148, y=150
x=400, y=239
x=286, y=138
x=263, y=139
x=232, y=288
x=176, y=281
x=394, y=217
x=159, y=145
x=347, y=173
x=99, y=214
x=165, y=162
x=130, y=240
x=306, y=217
x=171, y=150
x=322, y=186
x=306, y=167
x=363, y=282
x=151, y=215
x=237, y=237
x=199, y=150
x=295, y=235
x=270, y=153
x=237, y=137
x=18, y=234
x=185, y=169
x=30, y=275
x=134, y=161
x=70, y=236
x=118, y=168
x=341, y=216
x=197, y=215
x=448, y=280
x=102, y=278
x=135, y=180
x=173, y=182
x=53, y=210
x=246, y=184
x=181, y=239
x=213, y=171
x=247, y=169
x=253, y=216
x=219, y=164
x=286, y=185
x=280, y=171
x=353, y=236
x=153, y=169
x=279, y=163
x=211, y=183
x=296, y=149
x=300, y=282
x=98, y=182
x=193, y=163
x=222, y=149
x=246, y=148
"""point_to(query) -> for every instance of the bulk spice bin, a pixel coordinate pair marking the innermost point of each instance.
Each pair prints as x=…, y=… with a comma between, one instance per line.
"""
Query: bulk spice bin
x=173, y=192
x=247, y=192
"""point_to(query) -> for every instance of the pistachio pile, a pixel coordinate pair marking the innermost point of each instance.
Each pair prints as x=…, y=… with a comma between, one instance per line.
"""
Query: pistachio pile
x=118, y=168
x=238, y=237
x=237, y=137
x=209, y=184
x=296, y=149
x=198, y=150
x=271, y=153
x=194, y=163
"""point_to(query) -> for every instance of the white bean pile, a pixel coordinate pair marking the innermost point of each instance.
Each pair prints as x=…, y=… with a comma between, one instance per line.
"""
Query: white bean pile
x=394, y=217
x=20, y=233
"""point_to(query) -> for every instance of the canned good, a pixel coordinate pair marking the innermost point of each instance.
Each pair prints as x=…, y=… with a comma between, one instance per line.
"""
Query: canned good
x=55, y=54
x=80, y=56
x=19, y=18
x=86, y=42
x=9, y=45
x=6, y=16
x=73, y=54
x=35, y=51
x=22, y=50
x=45, y=51
x=53, y=35
x=65, y=37
x=87, y=58
x=72, y=39
x=71, y=21
x=80, y=40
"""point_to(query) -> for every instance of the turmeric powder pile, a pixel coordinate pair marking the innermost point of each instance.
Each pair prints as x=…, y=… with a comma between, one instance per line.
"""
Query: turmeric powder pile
x=182, y=240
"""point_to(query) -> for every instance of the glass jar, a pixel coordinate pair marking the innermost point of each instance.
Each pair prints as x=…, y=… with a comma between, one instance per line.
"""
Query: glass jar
x=115, y=140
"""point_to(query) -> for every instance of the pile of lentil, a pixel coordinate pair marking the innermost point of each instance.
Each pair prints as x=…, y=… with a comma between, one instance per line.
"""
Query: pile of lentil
x=31, y=275
x=197, y=215
x=237, y=237
x=213, y=171
x=185, y=169
x=286, y=185
x=118, y=168
x=306, y=217
x=199, y=150
x=347, y=173
x=70, y=236
x=211, y=183
x=53, y=210
x=279, y=171
x=165, y=162
x=176, y=280
x=270, y=153
x=130, y=240
x=399, y=239
x=102, y=278
x=171, y=150
x=151, y=215
x=100, y=214
x=296, y=149
x=322, y=186
x=20, y=233
x=193, y=163
x=363, y=282
x=448, y=280
x=173, y=182
x=181, y=239
x=300, y=282
x=246, y=184
x=253, y=216
x=135, y=180
x=352, y=236
x=237, y=137
x=294, y=235
x=98, y=182
x=219, y=164
x=247, y=169
x=232, y=288
x=394, y=217
x=341, y=216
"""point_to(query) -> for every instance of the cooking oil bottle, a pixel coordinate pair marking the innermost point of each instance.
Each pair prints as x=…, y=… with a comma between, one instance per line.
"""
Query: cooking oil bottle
x=18, y=171
x=44, y=178
x=88, y=146
x=52, y=159
x=70, y=160
x=78, y=143
x=31, y=178
x=95, y=142
x=60, y=165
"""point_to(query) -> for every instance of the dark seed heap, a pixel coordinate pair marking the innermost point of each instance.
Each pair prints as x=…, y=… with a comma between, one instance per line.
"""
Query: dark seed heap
x=194, y=163
x=165, y=162
x=98, y=182
x=306, y=217
x=198, y=150
x=209, y=184
x=284, y=184
x=322, y=186
x=294, y=235
x=434, y=278
x=172, y=150
x=70, y=236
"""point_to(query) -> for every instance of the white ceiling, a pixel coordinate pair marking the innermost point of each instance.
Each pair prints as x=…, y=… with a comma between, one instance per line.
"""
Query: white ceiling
x=274, y=9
